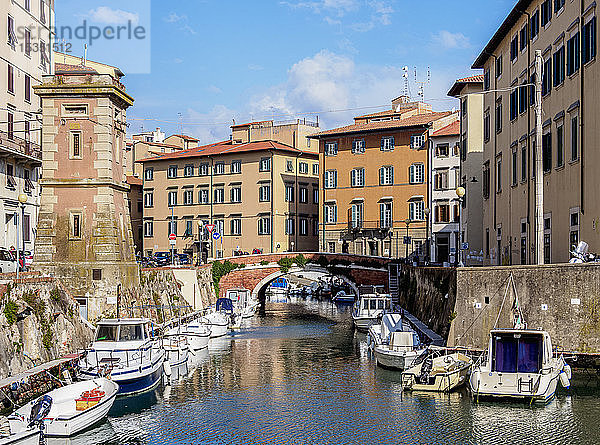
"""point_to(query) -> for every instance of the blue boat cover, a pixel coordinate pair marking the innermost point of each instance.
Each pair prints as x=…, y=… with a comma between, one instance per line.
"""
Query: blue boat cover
x=224, y=304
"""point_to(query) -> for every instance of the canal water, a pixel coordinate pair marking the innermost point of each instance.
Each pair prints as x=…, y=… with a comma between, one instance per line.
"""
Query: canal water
x=299, y=374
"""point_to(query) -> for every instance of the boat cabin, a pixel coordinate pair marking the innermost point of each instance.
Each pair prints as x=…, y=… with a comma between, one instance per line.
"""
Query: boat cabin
x=519, y=351
x=240, y=297
x=123, y=330
x=375, y=302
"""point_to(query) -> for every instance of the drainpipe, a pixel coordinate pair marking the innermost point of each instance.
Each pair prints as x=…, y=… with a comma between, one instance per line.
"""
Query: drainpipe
x=210, y=198
x=581, y=116
x=271, y=198
x=322, y=185
x=296, y=198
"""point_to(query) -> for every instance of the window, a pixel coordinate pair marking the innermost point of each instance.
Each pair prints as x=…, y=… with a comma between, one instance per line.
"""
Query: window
x=559, y=66
x=148, y=199
x=547, y=239
x=172, y=199
x=203, y=196
x=289, y=166
x=265, y=165
x=331, y=247
x=547, y=151
x=42, y=11
x=148, y=174
x=442, y=150
x=172, y=227
x=440, y=180
x=514, y=104
x=188, y=197
x=574, y=139
x=303, y=168
x=486, y=180
x=385, y=215
x=264, y=193
x=330, y=211
x=303, y=195
x=219, y=168
x=236, y=226
x=75, y=225
x=523, y=37
x=387, y=143
x=289, y=226
x=75, y=144
x=27, y=88
x=264, y=225
x=442, y=213
x=148, y=229
x=172, y=171
x=463, y=107
x=189, y=231
x=315, y=169
x=546, y=77
x=573, y=48
x=203, y=169
x=499, y=174
x=236, y=166
x=522, y=99
x=535, y=24
x=416, y=210
x=289, y=193
x=236, y=194
x=546, y=12
x=11, y=79
x=26, y=228
x=303, y=227
x=27, y=5
x=27, y=37
x=589, y=41
x=417, y=141
x=356, y=215
x=532, y=81
x=498, y=66
x=514, y=48
x=386, y=175
x=486, y=80
x=515, y=164
x=330, y=181
x=315, y=195
x=416, y=173
x=533, y=155
x=358, y=146
x=219, y=195
x=315, y=226
x=560, y=151
x=486, y=127
x=523, y=163
x=357, y=177
x=44, y=60
x=12, y=37
x=188, y=170
x=499, y=117
x=331, y=148
x=558, y=5
x=573, y=228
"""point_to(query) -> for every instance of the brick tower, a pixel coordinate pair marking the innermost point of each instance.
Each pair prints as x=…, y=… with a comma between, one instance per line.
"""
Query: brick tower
x=84, y=232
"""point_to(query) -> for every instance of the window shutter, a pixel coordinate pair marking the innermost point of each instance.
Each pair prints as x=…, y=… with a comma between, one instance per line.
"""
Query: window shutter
x=352, y=177
x=391, y=181
x=382, y=142
x=392, y=143
x=381, y=175
x=335, y=179
x=411, y=174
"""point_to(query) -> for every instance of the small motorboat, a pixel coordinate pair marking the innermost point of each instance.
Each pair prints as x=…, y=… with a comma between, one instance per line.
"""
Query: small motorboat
x=341, y=297
x=70, y=409
x=437, y=369
x=369, y=307
x=27, y=436
x=176, y=346
x=218, y=323
x=125, y=349
x=198, y=334
x=519, y=364
x=243, y=305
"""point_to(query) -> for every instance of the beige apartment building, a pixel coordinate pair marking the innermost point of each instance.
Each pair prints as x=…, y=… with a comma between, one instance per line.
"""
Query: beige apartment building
x=565, y=32
x=375, y=179
x=25, y=56
x=258, y=194
x=468, y=90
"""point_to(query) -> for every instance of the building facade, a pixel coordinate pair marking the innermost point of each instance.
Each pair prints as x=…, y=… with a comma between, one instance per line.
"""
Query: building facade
x=374, y=179
x=443, y=200
x=259, y=195
x=25, y=56
x=565, y=32
x=469, y=91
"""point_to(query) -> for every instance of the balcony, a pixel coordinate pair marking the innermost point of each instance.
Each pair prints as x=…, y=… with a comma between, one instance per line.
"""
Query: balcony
x=17, y=146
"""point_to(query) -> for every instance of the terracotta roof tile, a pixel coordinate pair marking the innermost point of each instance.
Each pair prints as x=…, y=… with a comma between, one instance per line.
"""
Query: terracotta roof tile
x=387, y=112
x=66, y=68
x=186, y=137
x=476, y=79
x=451, y=130
x=133, y=180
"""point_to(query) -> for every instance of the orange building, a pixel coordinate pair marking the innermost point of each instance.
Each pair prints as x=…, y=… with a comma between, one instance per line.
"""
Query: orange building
x=374, y=176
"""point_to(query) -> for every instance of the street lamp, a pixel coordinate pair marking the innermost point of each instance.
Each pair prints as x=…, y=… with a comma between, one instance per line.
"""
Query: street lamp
x=22, y=200
x=427, y=211
x=460, y=192
x=407, y=222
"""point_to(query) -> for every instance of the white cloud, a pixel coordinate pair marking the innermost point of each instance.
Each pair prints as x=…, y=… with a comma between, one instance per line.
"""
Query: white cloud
x=451, y=40
x=339, y=7
x=177, y=60
x=214, y=89
x=104, y=14
x=182, y=20
x=255, y=67
x=173, y=17
x=216, y=124
x=379, y=12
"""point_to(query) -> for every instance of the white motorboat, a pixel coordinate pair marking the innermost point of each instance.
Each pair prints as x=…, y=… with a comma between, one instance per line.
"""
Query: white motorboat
x=72, y=408
x=519, y=364
x=175, y=344
x=198, y=334
x=27, y=436
x=243, y=304
x=368, y=308
x=394, y=345
x=125, y=350
x=438, y=369
x=218, y=323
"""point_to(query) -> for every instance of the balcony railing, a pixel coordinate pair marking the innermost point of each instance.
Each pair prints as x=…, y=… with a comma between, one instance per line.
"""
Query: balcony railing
x=18, y=145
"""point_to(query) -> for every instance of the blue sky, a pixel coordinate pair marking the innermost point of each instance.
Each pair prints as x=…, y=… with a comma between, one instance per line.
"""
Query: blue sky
x=207, y=62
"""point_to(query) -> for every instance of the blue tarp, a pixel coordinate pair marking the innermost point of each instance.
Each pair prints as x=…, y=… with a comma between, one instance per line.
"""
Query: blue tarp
x=224, y=304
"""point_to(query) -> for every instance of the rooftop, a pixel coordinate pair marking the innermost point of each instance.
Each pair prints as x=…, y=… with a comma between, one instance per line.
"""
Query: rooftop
x=451, y=130
x=460, y=83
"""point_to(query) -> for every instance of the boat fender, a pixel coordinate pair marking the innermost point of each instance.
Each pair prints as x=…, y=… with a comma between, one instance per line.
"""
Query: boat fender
x=564, y=380
x=476, y=378
x=568, y=371
x=167, y=367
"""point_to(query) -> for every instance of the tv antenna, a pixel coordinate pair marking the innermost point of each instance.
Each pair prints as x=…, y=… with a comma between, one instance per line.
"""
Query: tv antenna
x=406, y=82
x=421, y=84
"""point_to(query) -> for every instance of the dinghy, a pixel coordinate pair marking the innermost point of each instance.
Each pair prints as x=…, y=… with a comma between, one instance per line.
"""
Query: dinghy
x=437, y=369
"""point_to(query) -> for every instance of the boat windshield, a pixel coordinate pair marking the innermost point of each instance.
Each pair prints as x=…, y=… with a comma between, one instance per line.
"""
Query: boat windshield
x=131, y=332
x=106, y=333
x=373, y=304
x=366, y=305
x=517, y=353
x=380, y=304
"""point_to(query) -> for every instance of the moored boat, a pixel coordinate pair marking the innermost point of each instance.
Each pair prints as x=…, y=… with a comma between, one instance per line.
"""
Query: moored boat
x=175, y=344
x=394, y=345
x=198, y=334
x=368, y=308
x=27, y=436
x=437, y=369
x=218, y=323
x=243, y=305
x=125, y=350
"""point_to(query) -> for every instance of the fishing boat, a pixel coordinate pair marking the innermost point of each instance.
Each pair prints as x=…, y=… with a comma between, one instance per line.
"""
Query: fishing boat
x=437, y=369
x=519, y=364
x=394, y=345
x=70, y=409
x=243, y=305
x=125, y=350
x=198, y=334
x=175, y=344
x=369, y=307
x=217, y=320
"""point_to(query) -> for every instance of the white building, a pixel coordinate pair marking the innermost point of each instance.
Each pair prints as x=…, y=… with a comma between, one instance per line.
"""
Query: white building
x=444, y=204
x=25, y=56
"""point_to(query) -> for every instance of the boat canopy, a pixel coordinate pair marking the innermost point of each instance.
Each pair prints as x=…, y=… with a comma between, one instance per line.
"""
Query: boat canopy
x=122, y=330
x=517, y=352
x=224, y=304
x=390, y=323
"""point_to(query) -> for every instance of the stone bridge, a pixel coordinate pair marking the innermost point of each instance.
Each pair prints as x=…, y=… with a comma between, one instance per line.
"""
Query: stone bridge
x=260, y=270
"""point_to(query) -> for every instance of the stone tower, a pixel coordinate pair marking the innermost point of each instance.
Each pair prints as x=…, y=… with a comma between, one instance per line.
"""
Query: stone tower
x=84, y=232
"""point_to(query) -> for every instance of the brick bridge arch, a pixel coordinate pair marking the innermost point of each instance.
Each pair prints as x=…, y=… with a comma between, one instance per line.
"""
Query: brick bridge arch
x=260, y=270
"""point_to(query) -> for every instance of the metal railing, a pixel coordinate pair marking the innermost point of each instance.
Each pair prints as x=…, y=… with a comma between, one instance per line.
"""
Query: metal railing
x=19, y=145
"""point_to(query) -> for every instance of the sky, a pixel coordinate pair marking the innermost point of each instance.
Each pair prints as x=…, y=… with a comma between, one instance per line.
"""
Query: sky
x=197, y=65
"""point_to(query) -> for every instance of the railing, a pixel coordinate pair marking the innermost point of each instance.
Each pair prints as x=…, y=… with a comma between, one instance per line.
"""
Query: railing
x=19, y=145
x=297, y=121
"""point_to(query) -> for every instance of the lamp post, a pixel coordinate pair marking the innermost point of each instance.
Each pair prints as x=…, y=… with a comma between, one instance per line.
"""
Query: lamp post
x=22, y=200
x=407, y=222
x=460, y=192
x=427, y=211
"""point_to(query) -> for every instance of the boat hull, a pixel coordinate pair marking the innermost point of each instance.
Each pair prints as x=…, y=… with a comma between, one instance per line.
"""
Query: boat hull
x=483, y=390
x=363, y=323
x=197, y=341
x=29, y=437
x=442, y=382
x=396, y=360
x=148, y=378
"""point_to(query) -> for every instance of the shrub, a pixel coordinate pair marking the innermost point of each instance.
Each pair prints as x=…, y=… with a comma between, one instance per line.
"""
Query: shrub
x=55, y=294
x=323, y=261
x=219, y=270
x=10, y=311
x=300, y=260
x=264, y=263
x=285, y=264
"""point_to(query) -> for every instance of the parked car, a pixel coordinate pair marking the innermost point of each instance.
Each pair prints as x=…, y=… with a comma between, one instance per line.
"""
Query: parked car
x=257, y=251
x=162, y=258
x=183, y=258
x=239, y=253
x=8, y=263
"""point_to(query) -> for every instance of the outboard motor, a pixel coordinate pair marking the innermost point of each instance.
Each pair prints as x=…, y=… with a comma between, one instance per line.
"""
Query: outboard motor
x=40, y=410
x=426, y=368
